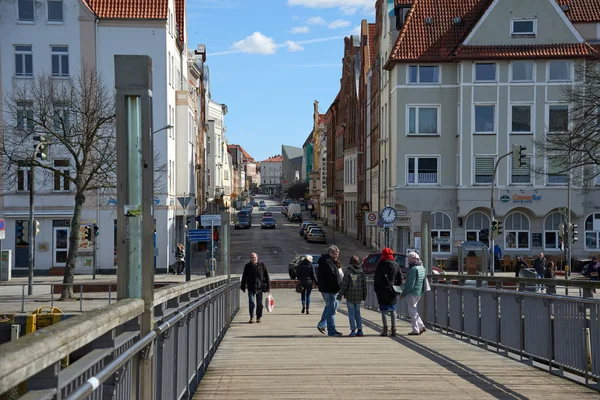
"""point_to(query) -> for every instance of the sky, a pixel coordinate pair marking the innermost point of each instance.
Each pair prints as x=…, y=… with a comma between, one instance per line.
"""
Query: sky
x=270, y=59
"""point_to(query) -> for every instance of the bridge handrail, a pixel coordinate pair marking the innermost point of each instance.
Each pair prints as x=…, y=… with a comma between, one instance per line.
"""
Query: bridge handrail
x=578, y=283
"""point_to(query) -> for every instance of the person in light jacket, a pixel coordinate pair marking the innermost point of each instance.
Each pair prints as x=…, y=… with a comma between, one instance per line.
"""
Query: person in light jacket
x=413, y=290
x=307, y=278
x=387, y=275
x=180, y=256
x=354, y=289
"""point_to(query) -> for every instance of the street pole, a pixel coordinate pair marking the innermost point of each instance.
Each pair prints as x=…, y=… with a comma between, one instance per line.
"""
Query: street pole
x=30, y=236
x=570, y=239
x=492, y=211
x=188, y=253
x=225, y=226
x=94, y=233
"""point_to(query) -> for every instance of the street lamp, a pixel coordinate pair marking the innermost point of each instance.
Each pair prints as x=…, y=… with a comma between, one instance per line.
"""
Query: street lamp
x=169, y=126
x=384, y=186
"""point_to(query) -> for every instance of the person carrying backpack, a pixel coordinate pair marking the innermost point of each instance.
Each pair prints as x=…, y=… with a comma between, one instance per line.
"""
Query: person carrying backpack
x=354, y=289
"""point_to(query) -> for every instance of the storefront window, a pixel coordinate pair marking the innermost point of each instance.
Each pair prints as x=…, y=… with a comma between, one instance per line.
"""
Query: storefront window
x=441, y=233
x=551, y=228
x=476, y=222
x=592, y=232
x=516, y=226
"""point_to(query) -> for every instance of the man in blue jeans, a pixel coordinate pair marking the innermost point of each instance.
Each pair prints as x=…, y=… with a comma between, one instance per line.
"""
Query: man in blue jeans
x=255, y=278
x=329, y=286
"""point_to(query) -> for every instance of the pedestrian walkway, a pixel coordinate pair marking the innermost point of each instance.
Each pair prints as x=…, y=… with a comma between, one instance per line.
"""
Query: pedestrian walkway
x=285, y=357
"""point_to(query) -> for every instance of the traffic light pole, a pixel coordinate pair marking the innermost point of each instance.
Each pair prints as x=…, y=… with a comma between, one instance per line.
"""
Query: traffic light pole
x=30, y=232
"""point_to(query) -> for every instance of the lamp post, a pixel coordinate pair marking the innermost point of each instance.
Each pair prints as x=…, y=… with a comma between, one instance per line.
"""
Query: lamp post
x=169, y=126
x=384, y=187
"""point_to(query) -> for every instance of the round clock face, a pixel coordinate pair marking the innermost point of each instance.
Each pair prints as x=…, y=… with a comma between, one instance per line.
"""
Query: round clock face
x=388, y=215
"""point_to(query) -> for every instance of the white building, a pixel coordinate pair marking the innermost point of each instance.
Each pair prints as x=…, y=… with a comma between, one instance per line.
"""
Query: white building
x=270, y=175
x=216, y=148
x=62, y=36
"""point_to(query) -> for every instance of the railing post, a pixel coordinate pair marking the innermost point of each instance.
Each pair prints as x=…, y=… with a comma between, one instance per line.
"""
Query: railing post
x=46, y=379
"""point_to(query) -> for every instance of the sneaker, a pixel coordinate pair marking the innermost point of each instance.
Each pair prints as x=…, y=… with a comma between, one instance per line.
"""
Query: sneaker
x=303, y=309
x=423, y=330
x=322, y=330
x=336, y=334
x=360, y=333
x=352, y=334
x=251, y=321
x=413, y=333
x=257, y=320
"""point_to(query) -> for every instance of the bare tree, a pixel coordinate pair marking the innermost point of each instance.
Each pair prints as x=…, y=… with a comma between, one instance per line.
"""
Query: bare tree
x=573, y=141
x=76, y=116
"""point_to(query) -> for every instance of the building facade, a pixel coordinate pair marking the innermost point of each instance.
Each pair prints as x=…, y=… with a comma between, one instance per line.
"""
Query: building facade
x=291, y=166
x=270, y=173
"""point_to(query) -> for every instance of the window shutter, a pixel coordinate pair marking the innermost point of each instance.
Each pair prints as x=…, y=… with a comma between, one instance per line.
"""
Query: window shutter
x=484, y=166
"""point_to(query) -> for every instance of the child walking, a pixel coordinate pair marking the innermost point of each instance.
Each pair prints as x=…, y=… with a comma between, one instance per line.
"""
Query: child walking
x=354, y=289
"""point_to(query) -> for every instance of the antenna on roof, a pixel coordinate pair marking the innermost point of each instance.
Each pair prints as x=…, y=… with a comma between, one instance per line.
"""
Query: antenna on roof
x=565, y=7
x=429, y=20
x=458, y=21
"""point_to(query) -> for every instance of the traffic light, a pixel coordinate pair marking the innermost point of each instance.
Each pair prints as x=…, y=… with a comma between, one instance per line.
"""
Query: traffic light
x=518, y=155
x=36, y=226
x=43, y=147
x=25, y=229
x=96, y=230
x=20, y=234
x=88, y=233
x=573, y=233
x=499, y=227
x=561, y=231
x=494, y=228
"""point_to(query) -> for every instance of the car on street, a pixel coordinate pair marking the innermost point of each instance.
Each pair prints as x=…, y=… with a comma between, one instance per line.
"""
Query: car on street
x=285, y=203
x=307, y=229
x=369, y=264
x=304, y=226
x=284, y=210
x=316, y=234
x=268, y=222
x=293, y=265
x=244, y=214
x=267, y=214
x=242, y=223
x=295, y=217
x=262, y=208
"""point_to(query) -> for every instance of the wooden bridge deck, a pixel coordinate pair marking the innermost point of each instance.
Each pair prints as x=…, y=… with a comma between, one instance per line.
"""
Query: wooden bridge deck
x=285, y=357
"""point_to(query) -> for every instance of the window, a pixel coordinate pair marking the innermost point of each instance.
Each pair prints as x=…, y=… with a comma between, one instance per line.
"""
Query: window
x=484, y=170
x=592, y=232
x=60, y=60
x=559, y=70
x=475, y=223
x=423, y=120
x=521, y=119
x=558, y=118
x=521, y=175
x=23, y=60
x=170, y=67
x=516, y=228
x=484, y=119
x=62, y=181
x=556, y=174
x=23, y=180
x=423, y=170
x=423, y=74
x=208, y=177
x=61, y=117
x=551, y=228
x=26, y=10
x=441, y=233
x=523, y=27
x=25, y=115
x=522, y=71
x=485, y=72
x=226, y=175
x=55, y=10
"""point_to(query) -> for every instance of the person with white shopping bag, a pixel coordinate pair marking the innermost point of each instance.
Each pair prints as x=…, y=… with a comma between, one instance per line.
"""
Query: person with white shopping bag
x=416, y=284
x=255, y=278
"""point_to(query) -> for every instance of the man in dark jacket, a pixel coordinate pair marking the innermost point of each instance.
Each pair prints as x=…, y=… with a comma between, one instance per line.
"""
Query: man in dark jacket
x=329, y=284
x=256, y=279
x=539, y=264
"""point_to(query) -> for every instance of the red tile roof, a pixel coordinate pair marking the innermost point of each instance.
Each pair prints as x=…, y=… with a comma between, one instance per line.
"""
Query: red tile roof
x=581, y=10
x=180, y=17
x=525, y=51
x=273, y=159
x=247, y=156
x=372, y=31
x=129, y=9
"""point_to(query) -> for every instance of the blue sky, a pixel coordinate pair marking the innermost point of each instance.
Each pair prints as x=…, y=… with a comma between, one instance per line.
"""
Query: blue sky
x=270, y=59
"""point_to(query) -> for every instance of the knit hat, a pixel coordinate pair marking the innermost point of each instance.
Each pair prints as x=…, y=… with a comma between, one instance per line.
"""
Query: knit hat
x=387, y=254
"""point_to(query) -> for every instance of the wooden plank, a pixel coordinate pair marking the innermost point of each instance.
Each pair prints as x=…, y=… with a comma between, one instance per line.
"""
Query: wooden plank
x=285, y=357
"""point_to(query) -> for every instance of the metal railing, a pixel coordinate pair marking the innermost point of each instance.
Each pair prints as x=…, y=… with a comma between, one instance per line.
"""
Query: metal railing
x=558, y=333
x=190, y=321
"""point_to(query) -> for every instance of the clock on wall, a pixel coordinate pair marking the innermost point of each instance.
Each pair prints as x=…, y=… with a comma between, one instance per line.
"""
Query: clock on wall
x=388, y=215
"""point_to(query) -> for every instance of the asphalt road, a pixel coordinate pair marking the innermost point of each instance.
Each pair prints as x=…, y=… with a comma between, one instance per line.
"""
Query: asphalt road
x=277, y=247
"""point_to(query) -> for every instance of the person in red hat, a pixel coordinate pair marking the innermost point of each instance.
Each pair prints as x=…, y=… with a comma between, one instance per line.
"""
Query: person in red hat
x=387, y=275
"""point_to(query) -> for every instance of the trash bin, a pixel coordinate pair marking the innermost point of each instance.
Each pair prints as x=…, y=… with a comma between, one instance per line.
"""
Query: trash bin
x=528, y=273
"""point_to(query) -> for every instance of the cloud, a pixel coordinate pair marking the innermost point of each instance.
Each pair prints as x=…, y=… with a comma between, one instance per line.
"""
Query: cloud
x=338, y=23
x=316, y=21
x=347, y=7
x=257, y=43
x=320, y=40
x=292, y=46
x=300, y=29
x=332, y=65
x=356, y=30
x=345, y=10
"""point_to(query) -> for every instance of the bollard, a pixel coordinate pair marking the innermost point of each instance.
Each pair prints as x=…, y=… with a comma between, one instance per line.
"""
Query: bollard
x=52, y=295
x=81, y=298
x=23, y=298
x=109, y=292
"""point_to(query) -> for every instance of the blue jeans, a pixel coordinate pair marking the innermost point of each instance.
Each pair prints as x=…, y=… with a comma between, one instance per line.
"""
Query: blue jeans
x=328, y=318
x=305, y=296
x=354, y=315
x=258, y=304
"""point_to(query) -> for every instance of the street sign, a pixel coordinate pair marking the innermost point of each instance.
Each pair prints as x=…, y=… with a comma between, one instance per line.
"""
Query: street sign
x=371, y=219
x=380, y=223
x=208, y=219
x=332, y=211
x=441, y=240
x=184, y=201
x=401, y=213
x=2, y=224
x=199, y=235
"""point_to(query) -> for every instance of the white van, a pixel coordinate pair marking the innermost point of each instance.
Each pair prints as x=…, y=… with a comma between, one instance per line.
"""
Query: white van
x=294, y=208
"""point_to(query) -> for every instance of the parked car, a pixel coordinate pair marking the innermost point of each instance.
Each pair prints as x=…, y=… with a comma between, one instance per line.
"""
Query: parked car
x=307, y=229
x=295, y=217
x=267, y=214
x=304, y=226
x=286, y=203
x=268, y=222
x=262, y=208
x=369, y=264
x=242, y=223
x=316, y=234
x=293, y=266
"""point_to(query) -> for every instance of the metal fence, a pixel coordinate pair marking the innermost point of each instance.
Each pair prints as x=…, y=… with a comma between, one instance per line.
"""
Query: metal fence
x=106, y=349
x=558, y=333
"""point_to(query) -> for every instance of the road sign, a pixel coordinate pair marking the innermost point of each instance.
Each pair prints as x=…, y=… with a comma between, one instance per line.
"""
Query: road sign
x=2, y=224
x=332, y=211
x=199, y=235
x=380, y=223
x=207, y=219
x=441, y=240
x=184, y=201
x=370, y=219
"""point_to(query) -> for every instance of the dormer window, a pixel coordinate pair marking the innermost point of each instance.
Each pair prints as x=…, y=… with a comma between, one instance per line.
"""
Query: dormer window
x=523, y=27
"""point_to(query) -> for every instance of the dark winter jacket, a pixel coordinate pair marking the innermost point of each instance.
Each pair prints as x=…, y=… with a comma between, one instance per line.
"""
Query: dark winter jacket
x=520, y=265
x=354, y=285
x=540, y=265
x=328, y=276
x=306, y=274
x=255, y=278
x=387, y=275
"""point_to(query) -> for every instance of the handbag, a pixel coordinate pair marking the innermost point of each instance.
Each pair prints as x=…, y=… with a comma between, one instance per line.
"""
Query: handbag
x=270, y=302
x=426, y=286
x=299, y=288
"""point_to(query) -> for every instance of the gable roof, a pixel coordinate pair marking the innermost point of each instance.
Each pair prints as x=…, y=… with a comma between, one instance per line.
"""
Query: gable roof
x=273, y=159
x=441, y=40
x=180, y=18
x=292, y=152
x=248, y=157
x=129, y=9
